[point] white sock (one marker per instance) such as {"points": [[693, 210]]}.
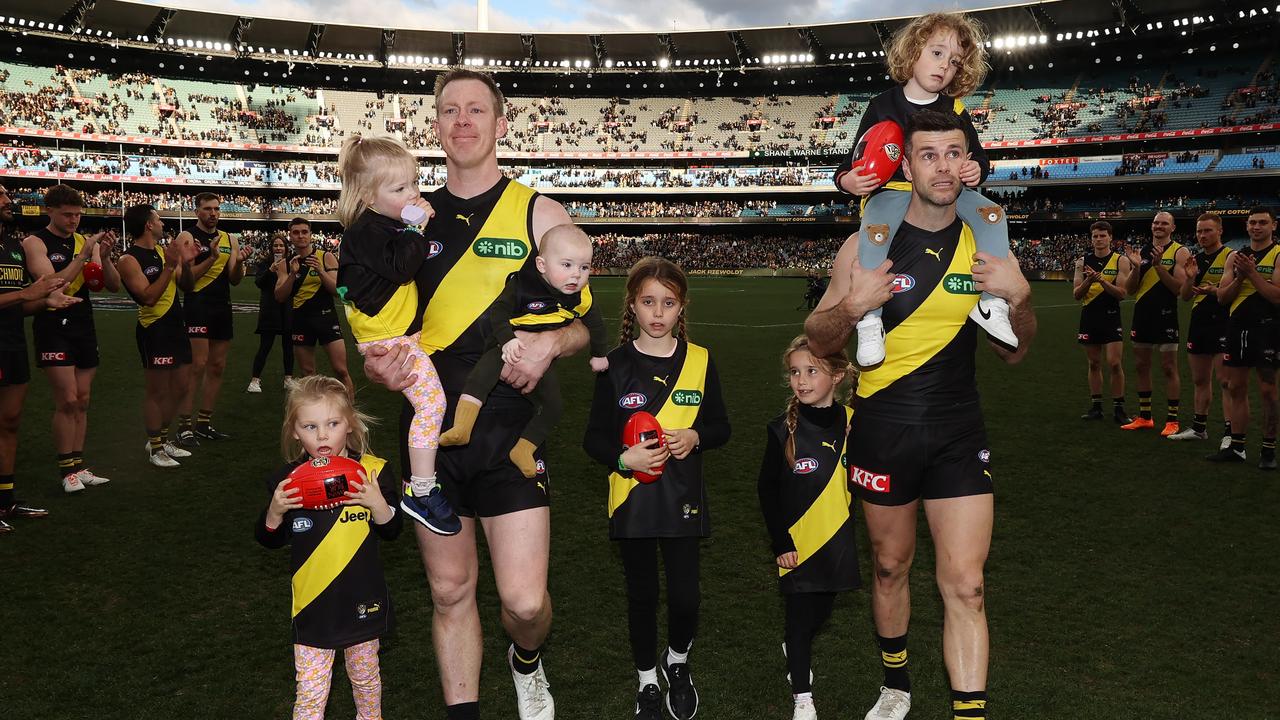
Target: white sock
{"points": [[421, 485], [677, 658], [648, 677], [803, 698]]}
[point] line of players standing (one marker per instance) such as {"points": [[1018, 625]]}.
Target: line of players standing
{"points": [[1233, 327], [183, 343]]}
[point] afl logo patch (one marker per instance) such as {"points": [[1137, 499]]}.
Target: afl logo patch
{"points": [[804, 466], [151, 271], [984, 456], [536, 305], [541, 467], [632, 400], [893, 151], [57, 257], [302, 524], [902, 283], [434, 248]]}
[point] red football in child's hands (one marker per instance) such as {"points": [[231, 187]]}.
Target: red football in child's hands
{"points": [[92, 273], [879, 151], [324, 481], [642, 427]]}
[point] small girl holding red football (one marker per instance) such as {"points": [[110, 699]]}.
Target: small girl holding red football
{"points": [[657, 370], [937, 59], [340, 597], [805, 499]]}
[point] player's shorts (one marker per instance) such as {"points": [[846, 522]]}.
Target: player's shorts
{"points": [[1101, 326], [1207, 333], [208, 320], [1154, 325], [15, 369], [894, 463], [478, 478], [1251, 344], [310, 329], [65, 342], [163, 345]]}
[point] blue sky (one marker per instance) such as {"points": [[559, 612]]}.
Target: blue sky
{"points": [[577, 15]]}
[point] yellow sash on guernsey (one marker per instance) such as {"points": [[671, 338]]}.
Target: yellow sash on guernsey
{"points": [[827, 514], [929, 328], [76, 282], [333, 553], [561, 315], [1266, 268], [1150, 279], [148, 315], [480, 275], [221, 253], [1214, 274], [693, 376], [1109, 273], [310, 282]]}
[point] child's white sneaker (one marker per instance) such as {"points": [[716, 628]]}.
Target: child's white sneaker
{"points": [[871, 341], [992, 315], [804, 710]]}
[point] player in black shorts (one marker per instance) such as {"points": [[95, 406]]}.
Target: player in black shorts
{"points": [[1250, 292], [1099, 283], [917, 433], [1207, 334], [219, 264], [152, 280], [66, 342], [17, 298], [309, 287], [1155, 287]]}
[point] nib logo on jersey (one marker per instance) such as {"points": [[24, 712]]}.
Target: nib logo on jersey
{"points": [[509, 248], [686, 397], [959, 284]]}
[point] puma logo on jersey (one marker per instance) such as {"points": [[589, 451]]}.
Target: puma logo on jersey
{"points": [[937, 254], [661, 380], [465, 218], [832, 446]]}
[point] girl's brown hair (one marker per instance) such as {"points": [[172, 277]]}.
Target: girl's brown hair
{"points": [[909, 41], [364, 163], [321, 388], [832, 365], [665, 272]]}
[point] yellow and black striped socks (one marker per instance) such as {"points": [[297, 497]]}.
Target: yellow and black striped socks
{"points": [[155, 441], [1144, 404], [66, 464], [1172, 414], [893, 655], [6, 492], [203, 418], [184, 423], [1268, 447], [1095, 402], [968, 705], [524, 661]]}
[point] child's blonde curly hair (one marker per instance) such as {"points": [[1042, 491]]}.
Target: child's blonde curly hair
{"points": [[909, 41]]}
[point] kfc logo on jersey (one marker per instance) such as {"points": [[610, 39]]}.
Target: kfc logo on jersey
{"points": [[868, 480], [902, 283], [197, 329], [535, 306], [151, 271], [630, 401], [162, 360], [804, 466], [434, 248], [53, 356]]}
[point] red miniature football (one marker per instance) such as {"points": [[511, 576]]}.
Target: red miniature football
{"points": [[879, 151], [642, 427], [324, 481], [92, 273]]}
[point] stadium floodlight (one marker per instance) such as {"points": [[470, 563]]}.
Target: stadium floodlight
{"points": [[1079, 35], [608, 63], [999, 43], [663, 63], [1058, 37]]}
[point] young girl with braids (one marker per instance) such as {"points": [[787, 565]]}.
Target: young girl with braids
{"points": [[656, 369], [805, 498]]}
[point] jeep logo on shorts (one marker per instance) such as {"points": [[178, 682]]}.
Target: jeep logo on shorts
{"points": [[632, 400], [686, 397], [804, 466], [500, 248], [959, 284]]}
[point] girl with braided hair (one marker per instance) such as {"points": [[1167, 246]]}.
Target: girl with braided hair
{"points": [[805, 499], [656, 369]]}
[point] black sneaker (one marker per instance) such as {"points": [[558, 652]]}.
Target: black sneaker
{"points": [[186, 439], [682, 696], [1267, 462], [649, 703], [1227, 455], [18, 510], [1120, 416], [432, 510], [208, 432], [1095, 413]]}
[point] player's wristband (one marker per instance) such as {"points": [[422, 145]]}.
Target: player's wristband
{"points": [[622, 465]]}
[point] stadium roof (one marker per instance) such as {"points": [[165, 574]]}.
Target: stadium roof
{"points": [[127, 21]]}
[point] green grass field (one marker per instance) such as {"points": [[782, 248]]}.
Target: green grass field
{"points": [[1128, 578]]}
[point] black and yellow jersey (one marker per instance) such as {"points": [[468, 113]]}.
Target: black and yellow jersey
{"points": [[1152, 294], [167, 308], [1108, 268], [1249, 303], [61, 251], [928, 372], [308, 294], [481, 240], [377, 267], [13, 278], [340, 596], [807, 504], [681, 391], [530, 304], [1210, 267], [214, 286]]}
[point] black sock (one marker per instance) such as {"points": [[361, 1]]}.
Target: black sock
{"points": [[1118, 402], [1144, 404], [6, 492], [1172, 415], [203, 418], [524, 661], [184, 423], [1268, 447], [1200, 422], [893, 656], [66, 464], [77, 459], [1237, 442], [463, 711], [1095, 401], [968, 705]]}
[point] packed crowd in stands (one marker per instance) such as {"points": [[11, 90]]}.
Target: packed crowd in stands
{"points": [[704, 251]]}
